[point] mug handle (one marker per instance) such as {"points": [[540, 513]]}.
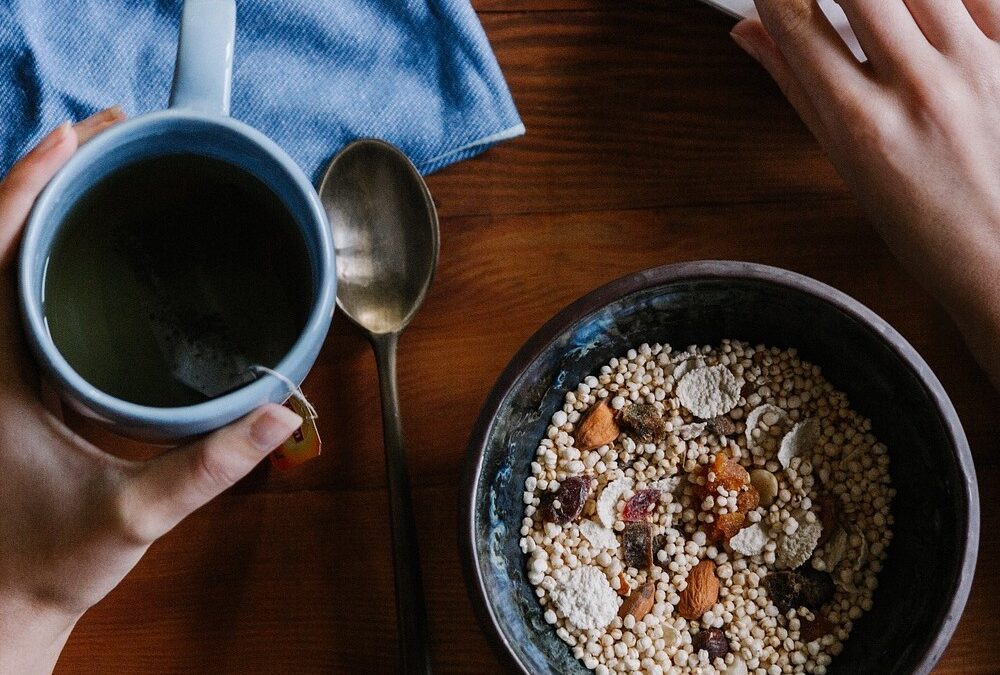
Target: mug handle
{"points": [[204, 71]]}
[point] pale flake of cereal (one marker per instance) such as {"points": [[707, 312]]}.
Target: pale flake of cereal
{"points": [[737, 667], [671, 636], [587, 599], [799, 441], [851, 455], [796, 548], [709, 392], [750, 540], [609, 498], [753, 419], [862, 558], [600, 537], [667, 484], [836, 549], [691, 431], [687, 365]]}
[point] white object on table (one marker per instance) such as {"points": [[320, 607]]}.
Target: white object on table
{"points": [[744, 8]]}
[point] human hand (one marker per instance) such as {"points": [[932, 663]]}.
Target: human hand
{"points": [[914, 132], [74, 519]]}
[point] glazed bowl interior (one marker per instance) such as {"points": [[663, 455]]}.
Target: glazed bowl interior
{"points": [[926, 577]]}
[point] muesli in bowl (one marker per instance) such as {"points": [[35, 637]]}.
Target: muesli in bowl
{"points": [[712, 509]]}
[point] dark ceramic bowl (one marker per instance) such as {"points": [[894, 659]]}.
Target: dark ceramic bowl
{"points": [[925, 582]]}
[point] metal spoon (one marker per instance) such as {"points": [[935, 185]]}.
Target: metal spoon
{"points": [[385, 230]]}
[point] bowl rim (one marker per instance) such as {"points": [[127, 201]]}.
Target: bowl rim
{"points": [[709, 270]]}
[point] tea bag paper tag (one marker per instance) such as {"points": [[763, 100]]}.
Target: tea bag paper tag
{"points": [[303, 444]]}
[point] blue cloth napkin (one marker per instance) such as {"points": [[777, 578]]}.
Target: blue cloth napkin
{"points": [[311, 74]]}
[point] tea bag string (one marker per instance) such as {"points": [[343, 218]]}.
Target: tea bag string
{"points": [[294, 391]]}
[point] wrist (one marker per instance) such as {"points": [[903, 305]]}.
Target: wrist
{"points": [[31, 637]]}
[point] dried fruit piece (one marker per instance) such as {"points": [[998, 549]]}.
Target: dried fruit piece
{"points": [[586, 598], [750, 540], [644, 421], [701, 593], [597, 428], [829, 516], [726, 472], [726, 525], [566, 504], [600, 537], [797, 547], [709, 392], [608, 500], [641, 506], [753, 420], [747, 500], [637, 545], [713, 641], [815, 629], [640, 603], [789, 589], [766, 485], [799, 441], [723, 425]]}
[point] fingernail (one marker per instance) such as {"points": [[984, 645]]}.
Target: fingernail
{"points": [[273, 427], [54, 138], [99, 118]]}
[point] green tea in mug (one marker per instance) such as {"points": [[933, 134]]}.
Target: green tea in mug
{"points": [[174, 276]]}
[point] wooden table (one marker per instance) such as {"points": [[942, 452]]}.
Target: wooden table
{"points": [[651, 139]]}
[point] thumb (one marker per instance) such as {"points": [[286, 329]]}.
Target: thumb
{"points": [[169, 488]]}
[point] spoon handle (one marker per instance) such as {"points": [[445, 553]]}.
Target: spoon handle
{"points": [[411, 612]]}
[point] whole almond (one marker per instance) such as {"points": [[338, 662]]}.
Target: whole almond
{"points": [[597, 428], [701, 593], [640, 602]]}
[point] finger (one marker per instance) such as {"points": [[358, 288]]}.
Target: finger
{"points": [[25, 181], [821, 61], [751, 36], [946, 23], [887, 32], [986, 14], [97, 123], [169, 488]]}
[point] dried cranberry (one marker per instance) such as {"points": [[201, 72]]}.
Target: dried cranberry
{"points": [[641, 505], [571, 496], [713, 641], [637, 545]]}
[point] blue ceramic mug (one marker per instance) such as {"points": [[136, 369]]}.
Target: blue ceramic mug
{"points": [[196, 123]]}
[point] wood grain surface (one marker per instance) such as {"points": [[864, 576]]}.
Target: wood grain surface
{"points": [[651, 139]]}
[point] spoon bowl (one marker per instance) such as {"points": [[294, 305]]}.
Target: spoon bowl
{"points": [[385, 229], [379, 209]]}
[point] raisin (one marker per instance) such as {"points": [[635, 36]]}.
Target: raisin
{"points": [[644, 421], [747, 500], [829, 514], [637, 545], [713, 641], [723, 425], [641, 506], [815, 629], [571, 496], [817, 588], [790, 589]]}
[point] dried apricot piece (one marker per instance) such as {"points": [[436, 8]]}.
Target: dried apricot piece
{"points": [[726, 525], [728, 473], [747, 500]]}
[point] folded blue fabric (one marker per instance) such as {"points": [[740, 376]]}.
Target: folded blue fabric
{"points": [[311, 74]]}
